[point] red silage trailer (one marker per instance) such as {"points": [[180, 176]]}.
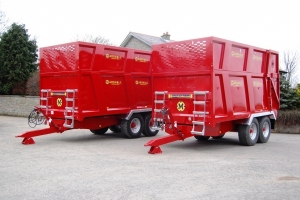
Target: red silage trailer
{"points": [[206, 87], [93, 86]]}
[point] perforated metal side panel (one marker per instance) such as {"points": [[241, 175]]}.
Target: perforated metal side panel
{"points": [[185, 56], [58, 58]]}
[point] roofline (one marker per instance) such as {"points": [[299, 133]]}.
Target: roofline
{"points": [[129, 36], [126, 40]]}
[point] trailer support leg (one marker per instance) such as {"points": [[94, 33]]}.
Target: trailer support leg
{"points": [[154, 150], [28, 141], [155, 143], [29, 134]]}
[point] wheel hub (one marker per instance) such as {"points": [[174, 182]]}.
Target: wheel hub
{"points": [[266, 129], [135, 125], [253, 131]]}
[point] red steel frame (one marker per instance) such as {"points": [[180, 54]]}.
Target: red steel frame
{"points": [[238, 81], [91, 86]]}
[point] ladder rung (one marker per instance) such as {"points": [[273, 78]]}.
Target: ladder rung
{"points": [[158, 119], [198, 123], [69, 111], [159, 101], [69, 108], [68, 125], [44, 106], [200, 92], [159, 93], [71, 91], [199, 102], [157, 110], [44, 90], [70, 99], [199, 113], [197, 132], [44, 98]]}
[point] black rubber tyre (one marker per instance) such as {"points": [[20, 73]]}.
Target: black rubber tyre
{"points": [[264, 130], [218, 137], [133, 127], [115, 128], [202, 138], [100, 131], [148, 131], [248, 134]]}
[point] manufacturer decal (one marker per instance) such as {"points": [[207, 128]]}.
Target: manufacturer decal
{"points": [[137, 59], [258, 58], [257, 84], [236, 54], [184, 96], [58, 94], [235, 83], [180, 106], [59, 102], [110, 82], [141, 82], [113, 57]]}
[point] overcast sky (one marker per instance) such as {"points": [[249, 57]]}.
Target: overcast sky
{"points": [[270, 24]]}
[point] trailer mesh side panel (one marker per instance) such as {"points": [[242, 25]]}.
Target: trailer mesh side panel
{"points": [[59, 58], [185, 56]]}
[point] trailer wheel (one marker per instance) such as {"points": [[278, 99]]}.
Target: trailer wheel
{"points": [[148, 131], [264, 130], [100, 131], [115, 128], [248, 134], [133, 127], [202, 138], [218, 137]]}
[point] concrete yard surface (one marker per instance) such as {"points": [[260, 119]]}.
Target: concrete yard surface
{"points": [[80, 165]]}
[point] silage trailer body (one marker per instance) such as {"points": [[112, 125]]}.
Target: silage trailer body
{"points": [[208, 86], [93, 86]]}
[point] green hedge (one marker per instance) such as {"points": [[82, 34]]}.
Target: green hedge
{"points": [[288, 117]]}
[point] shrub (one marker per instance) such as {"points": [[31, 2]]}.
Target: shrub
{"points": [[288, 117], [19, 88], [33, 84], [18, 58]]}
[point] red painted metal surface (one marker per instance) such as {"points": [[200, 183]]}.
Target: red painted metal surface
{"points": [[109, 80], [233, 79], [27, 141], [155, 150], [92, 86]]}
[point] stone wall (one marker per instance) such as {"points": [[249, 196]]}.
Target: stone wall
{"points": [[287, 129], [14, 105]]}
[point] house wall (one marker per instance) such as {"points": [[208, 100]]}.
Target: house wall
{"points": [[17, 105], [137, 44]]}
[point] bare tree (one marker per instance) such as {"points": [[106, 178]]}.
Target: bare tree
{"points": [[291, 63], [94, 39], [3, 22]]}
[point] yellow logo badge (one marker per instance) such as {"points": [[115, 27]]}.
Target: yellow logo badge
{"points": [[180, 106], [59, 102]]}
